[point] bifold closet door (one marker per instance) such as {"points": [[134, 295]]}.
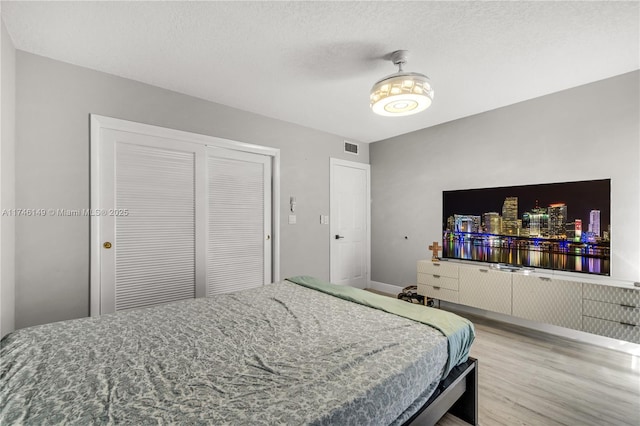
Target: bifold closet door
{"points": [[152, 223], [239, 220]]}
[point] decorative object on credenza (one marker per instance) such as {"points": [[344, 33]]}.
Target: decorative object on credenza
{"points": [[435, 248]]}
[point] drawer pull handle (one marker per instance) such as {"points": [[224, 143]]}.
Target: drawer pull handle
{"points": [[622, 305], [435, 264], [436, 276], [627, 324], [545, 278], [436, 288], [484, 270]]}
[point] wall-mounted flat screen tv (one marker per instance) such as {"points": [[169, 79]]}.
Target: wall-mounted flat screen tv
{"points": [[559, 226]]}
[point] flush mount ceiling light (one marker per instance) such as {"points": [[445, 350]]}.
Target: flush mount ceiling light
{"points": [[401, 93]]}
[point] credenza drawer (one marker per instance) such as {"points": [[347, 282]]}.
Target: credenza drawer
{"points": [[611, 311], [444, 269], [436, 280], [604, 293], [440, 293], [612, 329]]}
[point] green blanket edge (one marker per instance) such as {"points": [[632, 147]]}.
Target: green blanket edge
{"points": [[459, 331]]}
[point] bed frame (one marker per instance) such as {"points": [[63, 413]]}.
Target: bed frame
{"points": [[456, 394]]}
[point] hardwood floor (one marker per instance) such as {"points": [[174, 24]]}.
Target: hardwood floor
{"points": [[528, 377]]}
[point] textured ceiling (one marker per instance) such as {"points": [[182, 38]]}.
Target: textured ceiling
{"points": [[313, 63]]}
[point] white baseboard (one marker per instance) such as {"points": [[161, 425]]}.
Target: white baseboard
{"points": [[387, 288]]}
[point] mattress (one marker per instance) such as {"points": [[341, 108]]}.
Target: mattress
{"points": [[279, 354]]}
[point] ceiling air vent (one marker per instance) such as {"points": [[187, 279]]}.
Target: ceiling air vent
{"points": [[351, 148]]}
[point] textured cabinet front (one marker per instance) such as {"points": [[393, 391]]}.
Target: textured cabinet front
{"points": [[485, 289], [549, 301], [609, 294], [613, 329], [611, 311], [439, 293]]}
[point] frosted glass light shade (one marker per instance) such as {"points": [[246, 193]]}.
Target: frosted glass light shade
{"points": [[400, 94]]}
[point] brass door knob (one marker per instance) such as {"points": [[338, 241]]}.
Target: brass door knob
{"points": [[107, 245]]}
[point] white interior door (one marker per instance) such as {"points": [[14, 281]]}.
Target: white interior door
{"points": [[350, 216], [239, 220]]}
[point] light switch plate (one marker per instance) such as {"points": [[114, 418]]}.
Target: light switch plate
{"points": [[292, 219]]}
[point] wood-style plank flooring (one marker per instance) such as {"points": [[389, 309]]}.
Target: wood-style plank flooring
{"points": [[527, 377]]}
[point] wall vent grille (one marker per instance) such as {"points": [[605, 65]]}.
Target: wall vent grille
{"points": [[351, 148]]}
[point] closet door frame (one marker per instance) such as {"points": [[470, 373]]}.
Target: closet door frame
{"points": [[100, 123]]}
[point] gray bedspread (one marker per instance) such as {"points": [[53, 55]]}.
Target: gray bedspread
{"points": [[459, 331], [279, 354]]}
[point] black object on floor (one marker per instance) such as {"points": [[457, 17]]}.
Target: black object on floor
{"points": [[410, 294]]}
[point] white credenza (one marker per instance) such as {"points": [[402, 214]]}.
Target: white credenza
{"points": [[603, 309]]}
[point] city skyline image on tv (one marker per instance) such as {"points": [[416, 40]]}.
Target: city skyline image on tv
{"points": [[559, 226]]}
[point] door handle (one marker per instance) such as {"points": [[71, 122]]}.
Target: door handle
{"points": [[339, 237]]}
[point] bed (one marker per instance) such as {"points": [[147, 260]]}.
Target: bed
{"points": [[295, 352]]}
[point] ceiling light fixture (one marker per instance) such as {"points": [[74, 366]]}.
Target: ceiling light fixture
{"points": [[402, 93]]}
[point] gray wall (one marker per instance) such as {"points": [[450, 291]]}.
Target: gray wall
{"points": [[7, 183], [54, 100], [588, 132]]}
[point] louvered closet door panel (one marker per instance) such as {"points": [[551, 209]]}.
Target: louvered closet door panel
{"points": [[155, 242], [239, 221]]}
